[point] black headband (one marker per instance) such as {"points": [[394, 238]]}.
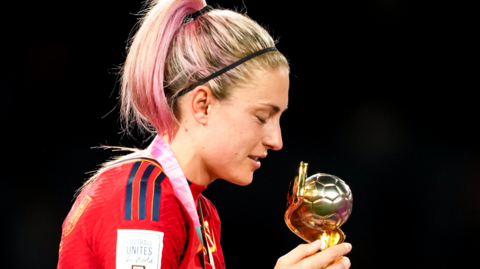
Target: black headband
{"points": [[225, 69], [194, 16]]}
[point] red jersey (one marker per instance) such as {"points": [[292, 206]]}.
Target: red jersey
{"points": [[129, 217]]}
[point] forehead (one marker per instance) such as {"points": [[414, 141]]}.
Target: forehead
{"points": [[266, 88]]}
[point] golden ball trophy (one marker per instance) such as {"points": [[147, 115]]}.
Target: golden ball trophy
{"points": [[317, 206]]}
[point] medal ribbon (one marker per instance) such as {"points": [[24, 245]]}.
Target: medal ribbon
{"points": [[161, 151]]}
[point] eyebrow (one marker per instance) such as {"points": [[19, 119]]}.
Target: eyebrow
{"points": [[274, 107]]}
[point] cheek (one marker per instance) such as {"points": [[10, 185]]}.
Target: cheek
{"points": [[227, 132], [220, 144], [230, 145], [233, 135]]}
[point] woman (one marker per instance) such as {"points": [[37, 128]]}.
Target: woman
{"points": [[212, 85]]}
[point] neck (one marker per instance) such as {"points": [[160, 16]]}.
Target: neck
{"points": [[189, 160]]}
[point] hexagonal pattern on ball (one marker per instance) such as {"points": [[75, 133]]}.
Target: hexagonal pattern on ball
{"points": [[327, 202]]}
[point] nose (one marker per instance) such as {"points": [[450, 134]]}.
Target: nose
{"points": [[274, 139]]}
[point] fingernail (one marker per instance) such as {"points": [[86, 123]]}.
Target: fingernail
{"points": [[315, 244], [348, 246]]}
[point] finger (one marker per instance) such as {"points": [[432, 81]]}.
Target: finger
{"points": [[343, 263], [300, 252], [327, 256]]}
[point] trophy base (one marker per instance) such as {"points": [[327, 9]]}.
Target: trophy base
{"points": [[328, 238], [331, 238]]}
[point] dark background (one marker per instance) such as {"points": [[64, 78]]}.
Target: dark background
{"points": [[382, 95]]}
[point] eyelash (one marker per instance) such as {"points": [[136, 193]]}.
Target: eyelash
{"points": [[261, 120]]}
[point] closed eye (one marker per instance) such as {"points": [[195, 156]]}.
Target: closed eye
{"points": [[261, 120]]}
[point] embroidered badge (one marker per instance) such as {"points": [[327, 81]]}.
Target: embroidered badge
{"points": [[210, 237], [75, 214]]}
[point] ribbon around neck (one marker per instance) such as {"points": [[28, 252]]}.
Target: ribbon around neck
{"points": [[162, 153]]}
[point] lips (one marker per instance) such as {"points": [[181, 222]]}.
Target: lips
{"points": [[256, 163], [258, 157]]}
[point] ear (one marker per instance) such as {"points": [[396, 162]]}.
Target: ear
{"points": [[200, 103]]}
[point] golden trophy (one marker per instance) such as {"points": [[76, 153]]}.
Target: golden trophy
{"points": [[317, 206]]}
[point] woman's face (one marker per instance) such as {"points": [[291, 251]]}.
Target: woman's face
{"points": [[242, 129]]}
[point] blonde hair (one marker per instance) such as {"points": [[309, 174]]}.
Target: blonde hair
{"points": [[167, 55]]}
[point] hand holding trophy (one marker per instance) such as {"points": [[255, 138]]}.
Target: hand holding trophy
{"points": [[317, 206]]}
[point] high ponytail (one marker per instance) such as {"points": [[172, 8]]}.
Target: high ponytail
{"points": [[167, 55], [143, 93]]}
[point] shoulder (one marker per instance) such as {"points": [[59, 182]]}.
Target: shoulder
{"points": [[132, 164], [126, 171], [144, 185], [137, 186]]}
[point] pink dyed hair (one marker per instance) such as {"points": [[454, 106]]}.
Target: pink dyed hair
{"points": [[167, 56]]}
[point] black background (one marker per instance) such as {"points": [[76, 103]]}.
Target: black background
{"points": [[382, 95]]}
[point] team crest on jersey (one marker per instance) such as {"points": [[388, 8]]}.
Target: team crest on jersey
{"points": [[210, 237], [75, 214]]}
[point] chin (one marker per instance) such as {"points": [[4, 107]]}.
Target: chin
{"points": [[241, 180]]}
